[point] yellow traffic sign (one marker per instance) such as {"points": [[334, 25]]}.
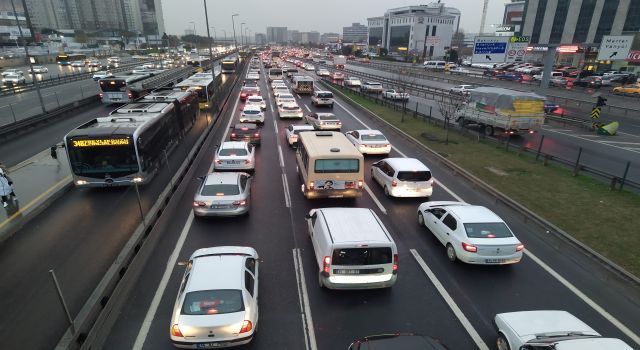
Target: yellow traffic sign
{"points": [[595, 113]]}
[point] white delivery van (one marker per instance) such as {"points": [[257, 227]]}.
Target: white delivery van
{"points": [[353, 249], [435, 65]]}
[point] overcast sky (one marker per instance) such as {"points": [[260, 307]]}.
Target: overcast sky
{"points": [[320, 15]]}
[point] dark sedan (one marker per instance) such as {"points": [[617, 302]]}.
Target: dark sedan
{"points": [[245, 132]]}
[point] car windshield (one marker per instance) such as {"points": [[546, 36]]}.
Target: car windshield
{"points": [[361, 256], [414, 175], [233, 152], [488, 230], [373, 137], [220, 190], [213, 302]]}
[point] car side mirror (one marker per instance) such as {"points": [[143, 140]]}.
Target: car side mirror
{"points": [[307, 216]]}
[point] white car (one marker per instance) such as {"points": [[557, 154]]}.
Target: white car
{"points": [[253, 76], [369, 141], [12, 71], [217, 303], [309, 67], [101, 74], [39, 69], [77, 64], [285, 98], [323, 73], [549, 329], [462, 89], [289, 110], [471, 233], [256, 100], [459, 70], [13, 79], [280, 90], [277, 82], [352, 81], [293, 131], [324, 121], [236, 156], [252, 114], [139, 70]]}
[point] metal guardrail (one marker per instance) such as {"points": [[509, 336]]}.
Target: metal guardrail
{"points": [[616, 181]]}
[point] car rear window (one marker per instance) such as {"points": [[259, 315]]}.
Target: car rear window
{"points": [[233, 152], [245, 126], [414, 175], [291, 108], [326, 117], [213, 302], [487, 230], [251, 111], [325, 95], [255, 99], [361, 256], [220, 190], [373, 137]]}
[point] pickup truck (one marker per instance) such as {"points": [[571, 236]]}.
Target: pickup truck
{"points": [[395, 95]]}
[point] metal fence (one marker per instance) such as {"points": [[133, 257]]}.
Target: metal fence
{"points": [[576, 159]]}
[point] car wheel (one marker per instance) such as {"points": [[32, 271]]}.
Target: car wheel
{"points": [[502, 343], [420, 219], [320, 283], [451, 253]]}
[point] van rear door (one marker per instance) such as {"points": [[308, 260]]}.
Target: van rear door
{"points": [[361, 264]]}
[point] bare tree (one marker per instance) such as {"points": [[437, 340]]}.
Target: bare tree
{"points": [[448, 108], [404, 83]]}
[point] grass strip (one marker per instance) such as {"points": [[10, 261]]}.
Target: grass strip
{"points": [[584, 207]]}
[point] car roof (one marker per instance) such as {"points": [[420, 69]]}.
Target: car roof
{"points": [[233, 144], [528, 323], [346, 225], [473, 213], [251, 107], [406, 164], [369, 131], [221, 178], [216, 272]]}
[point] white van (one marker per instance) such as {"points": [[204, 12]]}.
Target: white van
{"points": [[435, 65], [353, 249]]}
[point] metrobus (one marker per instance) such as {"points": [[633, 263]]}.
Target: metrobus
{"points": [[329, 166], [126, 147], [65, 59], [229, 65], [202, 62], [123, 88], [202, 84], [186, 103]]}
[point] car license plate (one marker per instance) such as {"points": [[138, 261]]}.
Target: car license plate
{"points": [[494, 261], [233, 162], [346, 272], [209, 345]]}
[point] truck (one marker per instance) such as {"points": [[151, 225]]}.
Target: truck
{"points": [[395, 95], [339, 61], [302, 84], [509, 111]]}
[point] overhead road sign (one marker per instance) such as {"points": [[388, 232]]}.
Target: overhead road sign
{"points": [[615, 47], [490, 49]]}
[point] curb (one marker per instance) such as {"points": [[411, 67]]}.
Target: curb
{"points": [[525, 212]]}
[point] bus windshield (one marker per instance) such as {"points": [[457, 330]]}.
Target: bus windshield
{"points": [[113, 85], [228, 65], [98, 160]]}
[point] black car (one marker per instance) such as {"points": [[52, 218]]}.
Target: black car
{"points": [[589, 82], [404, 341], [245, 132]]}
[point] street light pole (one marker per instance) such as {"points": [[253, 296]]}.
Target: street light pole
{"points": [[213, 73], [242, 34], [225, 35], [26, 51], [233, 25]]}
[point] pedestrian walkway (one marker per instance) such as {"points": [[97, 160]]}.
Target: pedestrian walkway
{"points": [[38, 181]]}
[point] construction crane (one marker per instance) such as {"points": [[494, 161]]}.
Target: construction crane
{"points": [[484, 16]]}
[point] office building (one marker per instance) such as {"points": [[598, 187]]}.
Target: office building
{"points": [[312, 37], [327, 38], [513, 15], [579, 21], [293, 36], [261, 39], [277, 35], [423, 30], [355, 33]]}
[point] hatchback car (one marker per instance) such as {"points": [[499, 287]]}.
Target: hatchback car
{"points": [[472, 234], [252, 114], [217, 303], [256, 100], [289, 110], [223, 194], [369, 141], [322, 98], [285, 98], [462, 89], [292, 132], [403, 177], [324, 121], [245, 132], [235, 155]]}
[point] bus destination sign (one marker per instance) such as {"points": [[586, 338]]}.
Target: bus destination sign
{"points": [[100, 142]]}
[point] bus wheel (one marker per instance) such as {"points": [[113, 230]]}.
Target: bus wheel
{"points": [[488, 130]]}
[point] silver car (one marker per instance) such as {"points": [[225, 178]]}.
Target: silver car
{"points": [[289, 110], [324, 121], [235, 155], [223, 194], [13, 79]]}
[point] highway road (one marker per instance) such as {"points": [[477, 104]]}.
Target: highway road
{"points": [[606, 153], [552, 275]]}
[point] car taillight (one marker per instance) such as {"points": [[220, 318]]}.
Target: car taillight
{"points": [[519, 247], [311, 184], [360, 184], [240, 203], [247, 161], [395, 263], [129, 94], [256, 134], [175, 331], [246, 326], [233, 134], [101, 95], [326, 266], [394, 183], [469, 247], [199, 204], [218, 161]]}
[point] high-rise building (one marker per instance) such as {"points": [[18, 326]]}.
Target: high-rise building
{"points": [[579, 21], [312, 37], [261, 39], [355, 33], [513, 14], [423, 30], [327, 38], [293, 36], [277, 35]]}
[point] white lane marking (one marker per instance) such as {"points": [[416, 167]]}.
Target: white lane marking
{"points": [[449, 300], [375, 199], [287, 196], [275, 124], [622, 142], [305, 309], [300, 97], [271, 107], [226, 131], [280, 156], [597, 141], [585, 298], [307, 107], [556, 275], [453, 194], [171, 263]]}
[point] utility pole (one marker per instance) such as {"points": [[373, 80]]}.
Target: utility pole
{"points": [[233, 25], [213, 73]]}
